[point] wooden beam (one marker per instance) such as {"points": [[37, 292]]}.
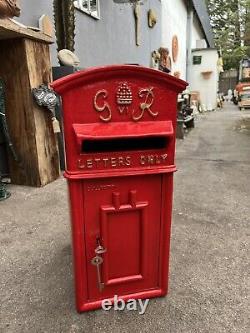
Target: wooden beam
{"points": [[10, 30], [25, 64]]}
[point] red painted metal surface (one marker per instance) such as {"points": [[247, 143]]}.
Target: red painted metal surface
{"points": [[119, 124]]}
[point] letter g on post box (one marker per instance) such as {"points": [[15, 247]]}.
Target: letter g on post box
{"points": [[119, 124]]}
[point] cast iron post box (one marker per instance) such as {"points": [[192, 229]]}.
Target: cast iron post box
{"points": [[119, 124]]}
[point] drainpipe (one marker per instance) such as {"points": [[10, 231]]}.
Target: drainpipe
{"points": [[190, 18]]}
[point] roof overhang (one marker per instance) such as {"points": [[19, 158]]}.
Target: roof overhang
{"points": [[202, 14]]}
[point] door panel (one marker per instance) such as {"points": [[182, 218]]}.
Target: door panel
{"points": [[123, 215], [123, 232]]}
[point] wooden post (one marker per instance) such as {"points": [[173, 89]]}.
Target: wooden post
{"points": [[25, 64]]}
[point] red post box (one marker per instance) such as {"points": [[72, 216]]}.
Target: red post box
{"points": [[119, 124]]}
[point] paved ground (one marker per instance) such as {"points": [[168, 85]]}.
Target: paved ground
{"points": [[209, 281]]}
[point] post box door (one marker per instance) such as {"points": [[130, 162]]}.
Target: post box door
{"points": [[123, 218]]}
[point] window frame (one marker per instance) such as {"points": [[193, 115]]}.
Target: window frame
{"points": [[78, 6]]}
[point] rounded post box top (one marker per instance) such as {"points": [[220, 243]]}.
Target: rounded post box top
{"points": [[119, 119], [96, 74]]}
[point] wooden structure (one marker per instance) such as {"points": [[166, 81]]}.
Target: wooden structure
{"points": [[25, 64]]}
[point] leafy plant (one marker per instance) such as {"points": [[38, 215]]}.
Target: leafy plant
{"points": [[230, 21]]}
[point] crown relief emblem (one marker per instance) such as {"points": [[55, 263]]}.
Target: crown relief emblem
{"points": [[124, 97]]}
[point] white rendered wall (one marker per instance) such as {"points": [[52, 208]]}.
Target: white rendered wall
{"points": [[197, 33], [174, 22], [207, 87]]}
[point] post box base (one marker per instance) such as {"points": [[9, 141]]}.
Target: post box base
{"points": [[134, 228], [83, 307]]}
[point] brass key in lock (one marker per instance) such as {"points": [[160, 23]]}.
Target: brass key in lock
{"points": [[97, 261]]}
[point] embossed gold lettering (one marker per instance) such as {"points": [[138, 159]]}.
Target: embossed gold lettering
{"points": [[121, 161], [146, 105], [164, 157], [101, 187], [153, 159], [105, 160], [89, 163], [128, 160], [158, 159], [97, 160], [142, 160], [113, 162], [80, 164], [105, 107]]}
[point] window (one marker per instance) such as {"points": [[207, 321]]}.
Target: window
{"points": [[90, 7]]}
